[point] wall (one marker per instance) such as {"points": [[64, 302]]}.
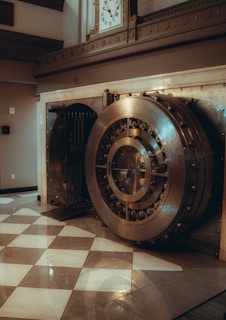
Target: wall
{"points": [[17, 72], [71, 25], [146, 6], [36, 20], [18, 153]]}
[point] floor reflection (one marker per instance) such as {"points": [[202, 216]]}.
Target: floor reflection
{"points": [[78, 269]]}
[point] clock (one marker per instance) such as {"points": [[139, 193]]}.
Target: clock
{"points": [[110, 14]]}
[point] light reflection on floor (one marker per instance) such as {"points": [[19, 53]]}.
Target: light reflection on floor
{"points": [[4, 200], [78, 269]]}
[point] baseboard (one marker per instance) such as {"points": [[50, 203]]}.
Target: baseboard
{"points": [[17, 190]]}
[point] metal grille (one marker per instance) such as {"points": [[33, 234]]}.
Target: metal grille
{"points": [[67, 148]]}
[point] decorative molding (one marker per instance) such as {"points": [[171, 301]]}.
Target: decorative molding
{"points": [[196, 17], [168, 81], [185, 23], [181, 9], [51, 4]]}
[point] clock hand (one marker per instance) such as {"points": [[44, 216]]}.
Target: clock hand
{"points": [[107, 8]]}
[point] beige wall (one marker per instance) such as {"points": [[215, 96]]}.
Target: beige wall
{"points": [[36, 20], [17, 72], [146, 6], [18, 153]]}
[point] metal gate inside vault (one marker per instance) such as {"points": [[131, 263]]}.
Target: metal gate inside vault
{"points": [[66, 153]]}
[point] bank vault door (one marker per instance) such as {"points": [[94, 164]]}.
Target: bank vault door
{"points": [[149, 167], [66, 153]]}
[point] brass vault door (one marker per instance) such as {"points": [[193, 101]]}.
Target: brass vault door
{"points": [[149, 167]]}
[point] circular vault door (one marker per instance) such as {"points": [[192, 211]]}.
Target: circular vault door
{"points": [[148, 167]]}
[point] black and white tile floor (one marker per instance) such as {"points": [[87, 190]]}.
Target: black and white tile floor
{"points": [[78, 269]]}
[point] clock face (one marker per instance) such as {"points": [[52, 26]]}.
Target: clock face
{"points": [[110, 14]]}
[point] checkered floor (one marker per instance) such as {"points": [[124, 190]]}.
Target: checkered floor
{"points": [[78, 269]]}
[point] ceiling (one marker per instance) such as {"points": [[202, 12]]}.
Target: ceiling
{"points": [[27, 47], [52, 4], [24, 47]]}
